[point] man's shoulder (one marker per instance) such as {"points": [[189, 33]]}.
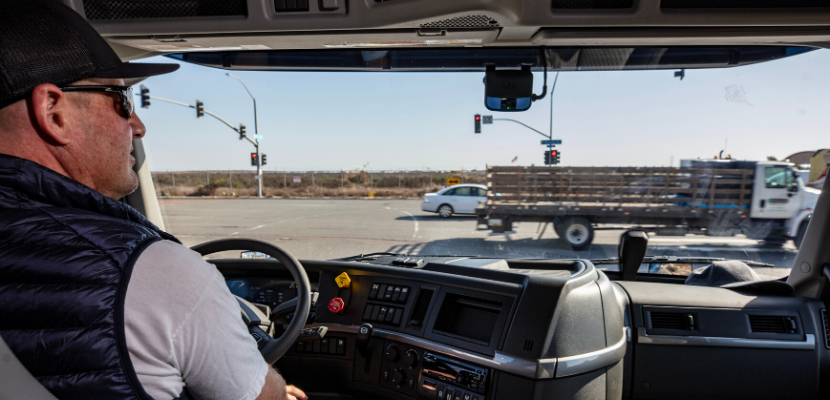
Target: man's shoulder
{"points": [[168, 267]]}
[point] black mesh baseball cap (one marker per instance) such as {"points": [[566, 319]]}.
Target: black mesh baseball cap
{"points": [[44, 41]]}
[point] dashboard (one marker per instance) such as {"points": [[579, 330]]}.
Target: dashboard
{"points": [[267, 291], [459, 328]]}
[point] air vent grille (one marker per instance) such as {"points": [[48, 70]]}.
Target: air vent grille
{"points": [[528, 345], [469, 21], [137, 9], [743, 4], [768, 324], [290, 5], [591, 4], [668, 320], [826, 329], [419, 312]]}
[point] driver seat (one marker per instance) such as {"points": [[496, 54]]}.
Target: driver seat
{"points": [[15, 380]]}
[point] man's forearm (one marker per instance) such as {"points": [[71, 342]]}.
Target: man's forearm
{"points": [[274, 388]]}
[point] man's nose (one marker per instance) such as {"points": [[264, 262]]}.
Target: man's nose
{"points": [[138, 126]]}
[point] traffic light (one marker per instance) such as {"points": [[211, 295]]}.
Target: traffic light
{"points": [[200, 109], [145, 97], [478, 123], [552, 157], [264, 161], [241, 131], [253, 159]]}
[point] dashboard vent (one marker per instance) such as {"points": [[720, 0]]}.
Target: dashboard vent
{"points": [[469, 21], [591, 4], [137, 9], [768, 323], [669, 320], [826, 329], [419, 312], [290, 5], [680, 4], [528, 345]]}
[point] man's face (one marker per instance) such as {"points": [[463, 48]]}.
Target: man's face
{"points": [[103, 140]]}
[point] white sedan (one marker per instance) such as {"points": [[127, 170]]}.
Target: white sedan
{"points": [[456, 199]]}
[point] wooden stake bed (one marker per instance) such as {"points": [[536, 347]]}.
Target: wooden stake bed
{"points": [[620, 194]]}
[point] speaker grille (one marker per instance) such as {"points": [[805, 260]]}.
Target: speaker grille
{"points": [[137, 9], [470, 21], [591, 4], [826, 328]]}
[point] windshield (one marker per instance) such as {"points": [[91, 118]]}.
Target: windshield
{"points": [[355, 162]]}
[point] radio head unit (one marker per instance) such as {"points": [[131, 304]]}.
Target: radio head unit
{"points": [[454, 372]]}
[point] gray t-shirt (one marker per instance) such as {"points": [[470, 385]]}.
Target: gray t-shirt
{"points": [[183, 329]]}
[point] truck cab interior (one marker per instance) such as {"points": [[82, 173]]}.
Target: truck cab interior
{"points": [[453, 327]]}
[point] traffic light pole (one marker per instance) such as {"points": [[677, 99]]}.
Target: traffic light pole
{"points": [[237, 130], [549, 136], [256, 136]]}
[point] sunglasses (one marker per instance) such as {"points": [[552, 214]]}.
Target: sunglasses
{"points": [[124, 92]]}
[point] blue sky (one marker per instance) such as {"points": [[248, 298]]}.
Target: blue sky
{"points": [[395, 121]]}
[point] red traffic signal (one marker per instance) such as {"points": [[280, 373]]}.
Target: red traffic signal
{"points": [[478, 123]]}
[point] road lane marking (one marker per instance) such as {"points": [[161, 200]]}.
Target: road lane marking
{"points": [[235, 233], [413, 220], [257, 227]]}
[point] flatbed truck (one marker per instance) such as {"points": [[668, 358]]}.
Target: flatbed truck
{"points": [[764, 200]]}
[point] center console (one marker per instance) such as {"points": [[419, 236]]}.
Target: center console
{"points": [[462, 329]]}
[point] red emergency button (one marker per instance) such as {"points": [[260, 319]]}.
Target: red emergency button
{"points": [[336, 305]]}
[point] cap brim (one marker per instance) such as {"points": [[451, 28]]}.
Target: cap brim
{"points": [[762, 287], [133, 73]]}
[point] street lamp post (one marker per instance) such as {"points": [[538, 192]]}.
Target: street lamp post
{"points": [[256, 137]]}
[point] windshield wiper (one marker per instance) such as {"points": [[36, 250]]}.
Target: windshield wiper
{"points": [[675, 259]]}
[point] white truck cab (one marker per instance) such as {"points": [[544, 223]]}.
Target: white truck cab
{"points": [[780, 194]]}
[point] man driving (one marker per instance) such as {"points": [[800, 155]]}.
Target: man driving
{"points": [[95, 300]]}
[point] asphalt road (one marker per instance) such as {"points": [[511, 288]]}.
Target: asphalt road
{"points": [[333, 228]]}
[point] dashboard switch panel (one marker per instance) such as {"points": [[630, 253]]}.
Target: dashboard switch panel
{"points": [[383, 314], [389, 293]]}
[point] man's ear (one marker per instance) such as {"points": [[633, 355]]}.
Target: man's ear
{"points": [[50, 107]]}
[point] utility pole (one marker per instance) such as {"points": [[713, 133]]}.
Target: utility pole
{"points": [[173, 176], [145, 97], [257, 137]]}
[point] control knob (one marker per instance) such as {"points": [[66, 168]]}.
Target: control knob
{"points": [[393, 353], [398, 377], [410, 358]]}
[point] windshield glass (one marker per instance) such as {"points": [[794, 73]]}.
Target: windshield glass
{"points": [[354, 162]]}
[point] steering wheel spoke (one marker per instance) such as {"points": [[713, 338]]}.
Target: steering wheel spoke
{"points": [[258, 320]]}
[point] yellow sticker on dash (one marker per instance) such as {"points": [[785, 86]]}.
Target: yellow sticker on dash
{"points": [[343, 280]]}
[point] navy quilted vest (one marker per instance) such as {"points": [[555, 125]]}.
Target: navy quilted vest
{"points": [[66, 254]]}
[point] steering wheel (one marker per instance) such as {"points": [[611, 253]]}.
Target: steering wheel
{"points": [[271, 348]]}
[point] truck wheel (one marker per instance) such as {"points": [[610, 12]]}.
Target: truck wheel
{"points": [[445, 211], [799, 235], [578, 233]]}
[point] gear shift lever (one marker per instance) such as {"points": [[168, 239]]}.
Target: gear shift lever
{"points": [[633, 245]]}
